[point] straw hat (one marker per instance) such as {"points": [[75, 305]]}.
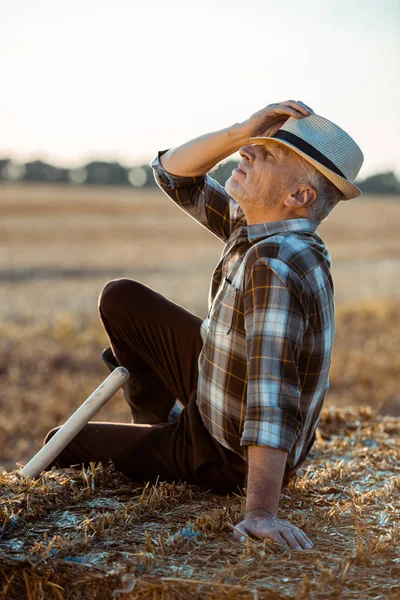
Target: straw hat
{"points": [[326, 146]]}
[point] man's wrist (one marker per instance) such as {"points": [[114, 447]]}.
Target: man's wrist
{"points": [[259, 512], [239, 134]]}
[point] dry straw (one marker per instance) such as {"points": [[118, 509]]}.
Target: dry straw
{"points": [[92, 533]]}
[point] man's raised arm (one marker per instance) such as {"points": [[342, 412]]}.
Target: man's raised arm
{"points": [[182, 172], [202, 154]]}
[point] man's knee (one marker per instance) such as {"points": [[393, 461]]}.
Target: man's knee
{"points": [[119, 295]]}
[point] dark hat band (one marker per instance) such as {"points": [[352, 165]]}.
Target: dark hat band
{"points": [[307, 149]]}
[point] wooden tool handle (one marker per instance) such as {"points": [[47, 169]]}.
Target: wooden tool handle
{"points": [[76, 422]]}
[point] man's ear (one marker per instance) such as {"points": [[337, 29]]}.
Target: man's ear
{"points": [[303, 197]]}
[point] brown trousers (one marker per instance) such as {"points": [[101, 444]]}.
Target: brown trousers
{"points": [[159, 343]]}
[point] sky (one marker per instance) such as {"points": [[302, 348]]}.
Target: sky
{"points": [[120, 80]]}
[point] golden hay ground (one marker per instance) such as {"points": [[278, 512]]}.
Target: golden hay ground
{"points": [[88, 534]]}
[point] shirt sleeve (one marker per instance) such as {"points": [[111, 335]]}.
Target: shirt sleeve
{"points": [[203, 198], [274, 333]]}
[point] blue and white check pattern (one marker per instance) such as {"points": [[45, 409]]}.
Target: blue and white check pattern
{"points": [[268, 337]]}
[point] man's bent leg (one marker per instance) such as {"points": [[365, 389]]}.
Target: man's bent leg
{"points": [[157, 340], [180, 451], [141, 452], [147, 331]]}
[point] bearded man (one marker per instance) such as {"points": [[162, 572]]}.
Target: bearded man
{"points": [[252, 377]]}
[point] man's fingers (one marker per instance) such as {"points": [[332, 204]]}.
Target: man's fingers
{"points": [[275, 535], [289, 536], [299, 106], [288, 110], [274, 128], [308, 543], [305, 106], [240, 533], [296, 538]]}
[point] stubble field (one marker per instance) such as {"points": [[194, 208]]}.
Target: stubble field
{"points": [[72, 534]]}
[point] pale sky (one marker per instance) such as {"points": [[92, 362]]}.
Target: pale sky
{"points": [[119, 80]]}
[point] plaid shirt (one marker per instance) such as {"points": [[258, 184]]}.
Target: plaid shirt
{"points": [[268, 337]]}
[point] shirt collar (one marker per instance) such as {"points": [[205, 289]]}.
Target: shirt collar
{"points": [[261, 230]]}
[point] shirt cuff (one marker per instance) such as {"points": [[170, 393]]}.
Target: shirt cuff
{"points": [[261, 433], [169, 181]]}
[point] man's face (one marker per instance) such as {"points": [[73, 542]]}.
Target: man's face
{"points": [[265, 175]]}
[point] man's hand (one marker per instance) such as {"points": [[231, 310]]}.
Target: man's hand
{"points": [[261, 524], [268, 120], [265, 472]]}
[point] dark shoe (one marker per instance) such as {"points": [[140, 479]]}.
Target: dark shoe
{"points": [[132, 390]]}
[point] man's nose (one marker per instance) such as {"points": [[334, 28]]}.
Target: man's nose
{"points": [[248, 152]]}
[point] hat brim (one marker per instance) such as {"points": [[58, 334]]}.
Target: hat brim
{"points": [[349, 190]]}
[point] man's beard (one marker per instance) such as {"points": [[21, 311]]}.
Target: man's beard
{"points": [[244, 198], [234, 190]]}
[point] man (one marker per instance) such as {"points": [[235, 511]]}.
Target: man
{"points": [[254, 374]]}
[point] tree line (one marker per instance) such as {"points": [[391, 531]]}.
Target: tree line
{"points": [[141, 176]]}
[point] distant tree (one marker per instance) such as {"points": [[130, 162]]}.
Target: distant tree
{"points": [[381, 183], [38, 170], [113, 173], [11, 170], [3, 163], [105, 173]]}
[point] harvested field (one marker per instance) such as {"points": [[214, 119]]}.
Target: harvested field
{"points": [[60, 245], [95, 534]]}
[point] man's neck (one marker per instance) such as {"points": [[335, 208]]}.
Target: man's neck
{"points": [[253, 218]]}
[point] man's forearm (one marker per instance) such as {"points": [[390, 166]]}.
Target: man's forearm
{"points": [[200, 155], [266, 467]]}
